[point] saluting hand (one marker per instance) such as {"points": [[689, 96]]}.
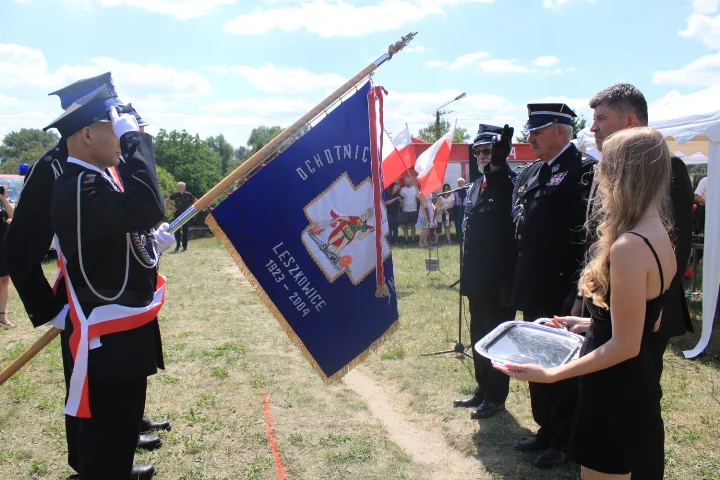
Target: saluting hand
{"points": [[122, 124], [502, 146]]}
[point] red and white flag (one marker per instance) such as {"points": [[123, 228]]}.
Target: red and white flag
{"points": [[397, 157], [432, 163]]}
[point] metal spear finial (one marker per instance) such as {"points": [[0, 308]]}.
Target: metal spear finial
{"points": [[402, 43]]}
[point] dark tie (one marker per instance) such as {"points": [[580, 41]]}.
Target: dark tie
{"points": [[544, 175]]}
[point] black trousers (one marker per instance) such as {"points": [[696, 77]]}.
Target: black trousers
{"points": [[393, 227], [553, 404], [104, 445], [459, 215], [182, 236], [485, 314]]}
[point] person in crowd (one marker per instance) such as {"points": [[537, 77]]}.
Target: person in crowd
{"points": [[28, 239], [447, 206], [700, 194], [6, 214], [392, 208], [488, 262], [179, 202], [410, 201], [549, 210], [96, 224], [625, 285], [460, 209], [426, 222], [619, 107]]}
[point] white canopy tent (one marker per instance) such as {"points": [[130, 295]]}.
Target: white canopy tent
{"points": [[691, 125]]}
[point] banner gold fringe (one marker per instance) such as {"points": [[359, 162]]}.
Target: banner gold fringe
{"points": [[382, 291], [217, 231]]}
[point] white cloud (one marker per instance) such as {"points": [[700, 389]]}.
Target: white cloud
{"points": [[503, 66], [271, 79], [467, 60], [705, 7], [180, 9], [705, 28], [330, 18], [434, 63], [21, 65], [258, 106], [558, 3], [546, 61], [11, 102], [415, 49], [579, 104], [215, 69], [705, 71]]}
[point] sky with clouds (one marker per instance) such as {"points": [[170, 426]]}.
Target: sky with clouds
{"points": [[226, 66]]}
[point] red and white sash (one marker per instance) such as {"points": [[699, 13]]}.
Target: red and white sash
{"points": [[103, 320]]}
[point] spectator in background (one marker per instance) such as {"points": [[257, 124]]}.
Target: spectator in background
{"points": [[426, 222], [181, 201], [447, 211], [392, 207], [700, 198], [460, 208], [409, 195], [6, 213]]}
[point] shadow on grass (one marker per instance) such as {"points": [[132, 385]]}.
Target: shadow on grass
{"points": [[495, 443]]}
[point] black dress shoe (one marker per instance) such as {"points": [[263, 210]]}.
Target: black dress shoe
{"points": [[487, 410], [468, 402], [142, 472], [148, 425], [149, 442], [529, 445], [551, 458]]}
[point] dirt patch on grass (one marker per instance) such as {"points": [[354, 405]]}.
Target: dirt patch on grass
{"points": [[423, 443]]}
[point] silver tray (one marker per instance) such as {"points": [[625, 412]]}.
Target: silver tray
{"points": [[530, 342]]}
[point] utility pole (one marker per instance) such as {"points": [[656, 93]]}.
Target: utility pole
{"points": [[437, 115]]}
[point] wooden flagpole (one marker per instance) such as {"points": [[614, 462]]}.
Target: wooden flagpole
{"points": [[260, 156], [268, 150]]}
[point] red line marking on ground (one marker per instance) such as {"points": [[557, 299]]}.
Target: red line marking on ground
{"points": [[271, 438]]}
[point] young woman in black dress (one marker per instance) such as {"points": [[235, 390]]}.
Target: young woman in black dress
{"points": [[618, 413]]}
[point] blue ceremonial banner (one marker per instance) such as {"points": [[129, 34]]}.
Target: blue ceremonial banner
{"points": [[309, 231]]}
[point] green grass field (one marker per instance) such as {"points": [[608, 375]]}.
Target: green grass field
{"points": [[391, 418]]}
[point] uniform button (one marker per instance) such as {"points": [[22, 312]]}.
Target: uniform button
{"points": [[520, 255]]}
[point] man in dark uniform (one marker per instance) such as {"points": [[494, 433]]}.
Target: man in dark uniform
{"points": [[29, 238], [112, 330], [624, 106], [488, 261], [550, 202]]}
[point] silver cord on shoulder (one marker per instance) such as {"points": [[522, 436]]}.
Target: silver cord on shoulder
{"points": [[80, 260]]}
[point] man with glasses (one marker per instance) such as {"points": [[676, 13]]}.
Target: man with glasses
{"points": [[488, 261]]}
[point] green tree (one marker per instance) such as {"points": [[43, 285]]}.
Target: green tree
{"points": [[168, 186], [430, 133], [188, 159], [25, 140], [521, 136], [241, 154], [578, 123], [225, 151], [261, 136]]}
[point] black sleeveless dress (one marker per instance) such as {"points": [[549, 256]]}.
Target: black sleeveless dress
{"points": [[619, 407]]}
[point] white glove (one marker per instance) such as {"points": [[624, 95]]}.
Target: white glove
{"points": [[165, 240], [59, 320], [123, 124]]}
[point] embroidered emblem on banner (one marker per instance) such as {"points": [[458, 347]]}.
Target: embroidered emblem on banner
{"points": [[338, 237], [556, 179]]}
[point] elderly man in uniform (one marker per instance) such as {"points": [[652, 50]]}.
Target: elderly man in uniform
{"points": [[488, 261], [550, 201], [111, 329], [616, 108]]}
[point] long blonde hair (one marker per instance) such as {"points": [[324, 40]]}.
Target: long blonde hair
{"points": [[634, 174]]}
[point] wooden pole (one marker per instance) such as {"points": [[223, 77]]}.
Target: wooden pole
{"points": [[268, 150], [34, 349]]}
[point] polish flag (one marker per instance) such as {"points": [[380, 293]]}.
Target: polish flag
{"points": [[432, 163], [397, 157]]}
